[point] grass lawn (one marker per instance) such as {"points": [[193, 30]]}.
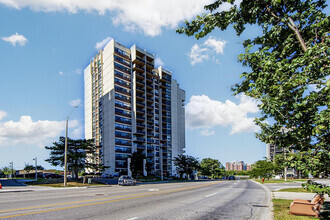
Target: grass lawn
{"points": [[280, 181], [59, 183], [294, 190], [281, 211]]}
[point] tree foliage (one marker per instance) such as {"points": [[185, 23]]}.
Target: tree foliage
{"points": [[7, 170], [186, 164], [211, 167], [289, 67], [262, 169], [82, 154], [136, 165]]}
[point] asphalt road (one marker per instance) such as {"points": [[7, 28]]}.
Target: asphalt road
{"points": [[240, 199]]}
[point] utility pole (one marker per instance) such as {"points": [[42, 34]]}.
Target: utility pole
{"points": [[12, 169], [36, 164], [66, 149]]}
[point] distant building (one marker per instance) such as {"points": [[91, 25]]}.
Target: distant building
{"points": [[272, 150], [237, 165]]}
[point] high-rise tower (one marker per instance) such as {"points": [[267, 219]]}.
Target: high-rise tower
{"points": [[132, 106]]}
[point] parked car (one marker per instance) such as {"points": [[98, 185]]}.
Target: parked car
{"points": [[231, 178], [52, 175], [126, 180], [104, 175]]}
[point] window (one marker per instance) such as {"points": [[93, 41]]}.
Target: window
{"points": [[117, 50], [122, 60], [121, 67], [123, 127]]}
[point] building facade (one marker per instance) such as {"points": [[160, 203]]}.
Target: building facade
{"points": [[237, 166], [272, 150], [132, 106]]}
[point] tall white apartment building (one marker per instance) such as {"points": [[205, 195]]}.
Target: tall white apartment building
{"points": [[132, 106]]}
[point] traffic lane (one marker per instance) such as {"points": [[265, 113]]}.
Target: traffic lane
{"points": [[198, 202], [84, 198]]}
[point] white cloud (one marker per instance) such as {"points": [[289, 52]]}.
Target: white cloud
{"points": [[206, 132], [78, 71], [75, 102], [159, 62], [60, 72], [28, 132], [148, 16], [2, 114], [15, 39], [101, 44], [216, 45], [205, 113], [198, 54], [210, 48]]}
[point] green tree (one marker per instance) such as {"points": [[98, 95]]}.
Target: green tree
{"points": [[262, 169], [7, 170], [82, 154], [286, 62], [137, 163], [27, 168], [186, 164], [210, 167]]}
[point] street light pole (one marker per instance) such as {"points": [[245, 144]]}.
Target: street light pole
{"points": [[161, 164], [66, 148], [12, 169], [36, 167]]}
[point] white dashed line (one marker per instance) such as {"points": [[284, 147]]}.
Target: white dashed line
{"points": [[153, 190], [211, 195], [133, 218]]}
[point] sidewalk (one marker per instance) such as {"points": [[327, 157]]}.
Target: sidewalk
{"points": [[296, 195], [8, 189]]}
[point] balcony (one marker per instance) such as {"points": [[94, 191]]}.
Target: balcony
{"points": [[141, 97], [122, 121], [149, 79], [122, 76], [141, 125], [140, 82], [123, 84], [139, 139], [122, 106], [125, 71], [138, 68], [139, 60], [140, 90], [140, 110], [141, 146], [150, 65], [139, 103], [139, 75], [122, 91], [140, 117]]}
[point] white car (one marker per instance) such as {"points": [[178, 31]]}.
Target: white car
{"points": [[126, 181]]}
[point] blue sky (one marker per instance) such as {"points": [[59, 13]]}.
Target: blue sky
{"points": [[45, 45]]}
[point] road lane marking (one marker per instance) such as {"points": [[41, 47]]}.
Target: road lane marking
{"points": [[101, 202], [153, 190], [133, 218], [211, 195]]}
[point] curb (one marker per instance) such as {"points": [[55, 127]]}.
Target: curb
{"points": [[16, 191], [271, 208]]}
